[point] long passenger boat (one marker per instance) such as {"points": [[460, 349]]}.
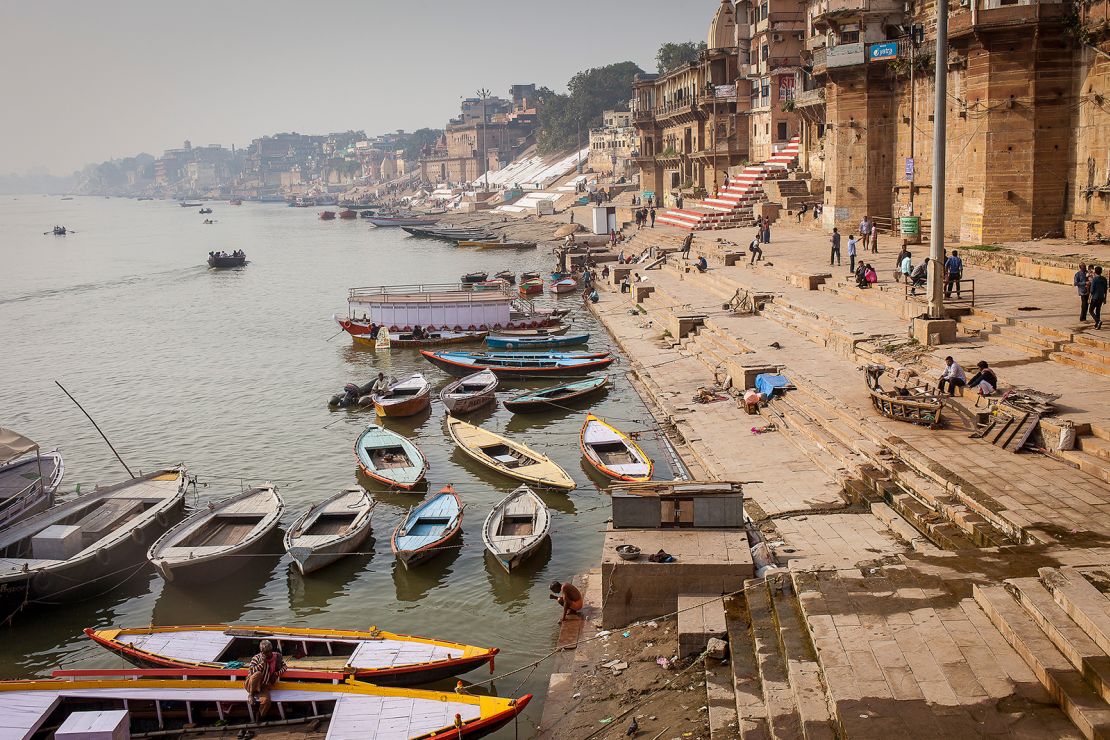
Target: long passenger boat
{"points": [[384, 658], [541, 366], [207, 704]]}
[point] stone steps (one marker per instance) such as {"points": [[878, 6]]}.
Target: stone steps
{"points": [[1091, 464], [1094, 446], [751, 707]]}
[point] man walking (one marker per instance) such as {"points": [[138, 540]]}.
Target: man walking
{"points": [[835, 241], [1081, 287], [954, 272], [1098, 296], [755, 249], [851, 253], [686, 244], [653, 217]]}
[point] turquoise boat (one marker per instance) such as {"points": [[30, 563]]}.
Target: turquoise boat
{"points": [[427, 529], [389, 458], [555, 397], [538, 343]]}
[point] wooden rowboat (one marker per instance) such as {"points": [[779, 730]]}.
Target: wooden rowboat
{"points": [[516, 527], [508, 457], [330, 530], [500, 342], [389, 458], [428, 529], [385, 658], [556, 397], [469, 393], [207, 704], [566, 285], [527, 365], [612, 452], [909, 401], [495, 244], [405, 398], [531, 286], [223, 532], [550, 331]]}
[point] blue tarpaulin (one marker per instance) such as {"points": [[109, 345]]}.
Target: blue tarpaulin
{"points": [[767, 384]]}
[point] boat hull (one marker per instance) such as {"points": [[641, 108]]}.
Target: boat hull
{"points": [[416, 471], [200, 570], [321, 557], [308, 552], [413, 556], [461, 368], [528, 403], [408, 407], [438, 339], [536, 343], [464, 403], [594, 432], [226, 262]]}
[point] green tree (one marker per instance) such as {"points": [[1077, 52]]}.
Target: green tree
{"points": [[672, 56], [590, 93]]}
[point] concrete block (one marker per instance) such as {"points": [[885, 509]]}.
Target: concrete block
{"points": [[745, 371], [640, 292], [809, 282], [701, 618], [619, 273], [682, 325], [931, 332], [109, 724], [731, 258], [717, 648], [57, 542]]}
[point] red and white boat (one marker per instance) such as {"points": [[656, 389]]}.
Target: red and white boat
{"points": [[566, 285]]}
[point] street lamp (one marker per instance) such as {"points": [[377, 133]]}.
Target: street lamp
{"points": [[483, 94]]}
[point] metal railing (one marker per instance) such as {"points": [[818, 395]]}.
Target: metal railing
{"points": [[956, 293]]}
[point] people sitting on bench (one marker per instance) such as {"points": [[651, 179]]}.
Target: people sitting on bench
{"points": [[985, 380], [953, 375]]}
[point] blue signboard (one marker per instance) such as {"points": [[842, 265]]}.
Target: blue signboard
{"points": [[883, 51]]}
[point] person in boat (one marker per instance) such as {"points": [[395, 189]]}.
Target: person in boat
{"points": [[380, 387], [263, 672], [568, 596], [418, 332], [503, 239], [594, 297]]}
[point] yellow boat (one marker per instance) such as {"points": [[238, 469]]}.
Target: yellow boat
{"points": [[385, 658], [612, 452], [507, 457], [498, 244], [205, 705]]}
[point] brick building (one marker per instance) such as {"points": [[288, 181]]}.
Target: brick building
{"points": [[777, 32], [613, 144]]}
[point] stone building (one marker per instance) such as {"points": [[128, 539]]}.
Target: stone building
{"points": [[1028, 131], [691, 122], [777, 33], [613, 144]]}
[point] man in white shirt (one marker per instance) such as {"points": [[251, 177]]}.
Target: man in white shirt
{"points": [[954, 375]]}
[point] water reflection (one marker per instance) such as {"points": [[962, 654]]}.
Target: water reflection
{"points": [[512, 590], [414, 584], [310, 595]]}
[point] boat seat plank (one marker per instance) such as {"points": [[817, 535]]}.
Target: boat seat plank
{"points": [[359, 717], [393, 653], [22, 712], [199, 646]]}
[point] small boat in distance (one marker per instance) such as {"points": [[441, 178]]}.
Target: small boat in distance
{"points": [[348, 214], [507, 457], [329, 530], [223, 260], [495, 284], [548, 331], [565, 285], [612, 452], [557, 397], [204, 211], [389, 458], [327, 215], [426, 339], [235, 202], [474, 277], [387, 221], [531, 286], [406, 397], [536, 343], [28, 477], [428, 529], [385, 658], [469, 393], [516, 527], [187, 204], [507, 275]]}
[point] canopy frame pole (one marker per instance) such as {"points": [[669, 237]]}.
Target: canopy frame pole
{"points": [[98, 429]]}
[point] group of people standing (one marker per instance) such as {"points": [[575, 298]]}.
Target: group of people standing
{"points": [[1091, 285], [643, 215], [917, 276]]}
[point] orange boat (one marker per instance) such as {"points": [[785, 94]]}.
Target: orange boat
{"points": [[348, 214], [327, 215]]}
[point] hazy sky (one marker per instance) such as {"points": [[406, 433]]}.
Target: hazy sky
{"points": [[86, 81]]}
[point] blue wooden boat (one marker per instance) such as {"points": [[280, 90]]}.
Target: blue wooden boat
{"points": [[428, 528], [510, 342], [390, 458], [582, 355], [555, 397], [524, 365]]}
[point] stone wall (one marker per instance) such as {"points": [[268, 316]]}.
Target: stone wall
{"points": [[1089, 184]]}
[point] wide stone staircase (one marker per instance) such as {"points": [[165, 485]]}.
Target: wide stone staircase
{"points": [[732, 206]]}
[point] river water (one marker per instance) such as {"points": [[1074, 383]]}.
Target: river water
{"points": [[229, 372]]}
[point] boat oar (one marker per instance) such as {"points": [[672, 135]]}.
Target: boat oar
{"points": [[98, 429]]}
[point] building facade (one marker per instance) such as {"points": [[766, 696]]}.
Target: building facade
{"points": [[613, 144], [777, 32]]}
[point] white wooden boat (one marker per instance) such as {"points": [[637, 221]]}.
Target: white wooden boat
{"points": [[612, 452], [224, 532], [84, 544], [383, 658], [469, 393], [516, 527], [508, 457], [161, 704], [428, 529], [405, 397], [28, 477], [330, 530]]}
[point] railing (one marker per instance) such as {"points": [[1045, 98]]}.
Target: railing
{"points": [[963, 288], [356, 295]]}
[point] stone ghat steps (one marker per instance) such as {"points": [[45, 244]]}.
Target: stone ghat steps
{"points": [[1059, 623], [779, 686]]}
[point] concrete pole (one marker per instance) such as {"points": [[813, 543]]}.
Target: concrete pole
{"points": [[936, 268]]}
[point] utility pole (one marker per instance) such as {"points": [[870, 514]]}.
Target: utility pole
{"points": [[578, 143], [484, 95], [936, 235], [913, 107]]}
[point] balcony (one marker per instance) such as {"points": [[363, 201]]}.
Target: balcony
{"points": [[830, 11], [988, 15], [835, 57], [803, 98]]}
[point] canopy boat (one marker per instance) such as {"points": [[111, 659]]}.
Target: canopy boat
{"points": [[507, 457], [511, 342], [470, 393], [428, 528], [207, 705], [549, 331], [507, 276], [28, 477], [330, 530], [474, 277], [405, 397], [537, 366], [566, 285], [389, 458], [428, 339], [556, 397], [909, 400], [531, 286], [387, 221], [348, 214], [204, 211], [612, 452], [385, 658], [237, 258], [76, 547], [327, 215], [495, 284], [516, 527], [222, 532]]}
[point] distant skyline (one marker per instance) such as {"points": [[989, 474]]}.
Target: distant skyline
{"points": [[87, 82]]}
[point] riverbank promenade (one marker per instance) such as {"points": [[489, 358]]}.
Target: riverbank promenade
{"points": [[929, 582]]}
